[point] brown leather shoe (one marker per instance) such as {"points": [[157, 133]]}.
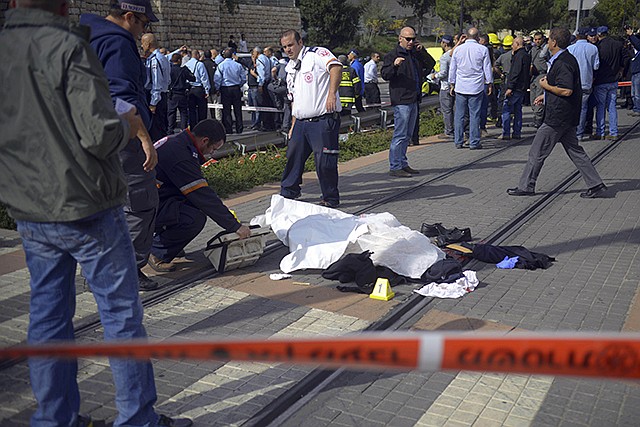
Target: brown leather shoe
{"points": [[159, 265]]}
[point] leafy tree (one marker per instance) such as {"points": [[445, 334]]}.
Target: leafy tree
{"points": [[615, 13], [420, 8], [449, 11], [524, 16], [374, 17], [330, 23]]}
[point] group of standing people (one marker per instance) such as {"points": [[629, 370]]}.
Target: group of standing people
{"points": [[98, 203]]}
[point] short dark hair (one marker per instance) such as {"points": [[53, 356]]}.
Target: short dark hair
{"points": [[294, 33], [562, 36], [176, 58], [538, 33], [210, 128], [207, 54], [227, 53]]}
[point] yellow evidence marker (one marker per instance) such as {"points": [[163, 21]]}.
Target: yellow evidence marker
{"points": [[382, 290]]}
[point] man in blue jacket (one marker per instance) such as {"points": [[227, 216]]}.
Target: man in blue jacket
{"points": [[114, 40], [186, 200], [359, 69]]}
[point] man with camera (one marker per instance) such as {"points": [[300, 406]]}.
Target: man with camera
{"points": [[635, 70]]}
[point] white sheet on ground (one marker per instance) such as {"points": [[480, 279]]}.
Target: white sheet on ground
{"points": [[319, 236], [456, 289]]}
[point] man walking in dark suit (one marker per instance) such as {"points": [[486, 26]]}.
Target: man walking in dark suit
{"points": [[562, 98]]}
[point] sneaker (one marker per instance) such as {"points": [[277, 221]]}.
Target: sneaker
{"points": [[159, 265], [400, 173], [411, 170], [165, 421], [444, 136], [326, 204], [594, 192], [145, 283]]}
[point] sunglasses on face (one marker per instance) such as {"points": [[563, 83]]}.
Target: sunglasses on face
{"points": [[409, 39], [145, 22]]}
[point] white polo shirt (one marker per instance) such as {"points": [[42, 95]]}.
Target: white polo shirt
{"points": [[309, 85]]}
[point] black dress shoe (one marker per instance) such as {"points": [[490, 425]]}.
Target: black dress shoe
{"points": [[594, 192], [326, 204], [145, 283], [475, 147], [410, 170], [518, 192]]}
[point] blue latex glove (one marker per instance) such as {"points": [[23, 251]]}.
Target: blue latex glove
{"points": [[507, 262]]}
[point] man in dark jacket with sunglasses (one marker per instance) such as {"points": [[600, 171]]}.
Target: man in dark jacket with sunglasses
{"points": [[405, 68]]}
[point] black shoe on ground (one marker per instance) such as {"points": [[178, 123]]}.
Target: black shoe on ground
{"points": [[297, 196], [518, 192], [326, 204], [475, 147], [459, 146], [410, 170], [594, 192], [432, 230], [145, 283], [416, 142], [399, 173], [165, 421], [516, 136]]}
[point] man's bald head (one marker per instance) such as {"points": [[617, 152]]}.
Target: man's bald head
{"points": [[518, 42], [150, 39], [473, 33], [59, 7]]}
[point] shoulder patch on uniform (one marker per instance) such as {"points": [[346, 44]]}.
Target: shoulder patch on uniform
{"points": [[313, 49]]}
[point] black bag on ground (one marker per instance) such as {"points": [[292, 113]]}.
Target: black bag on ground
{"points": [[526, 259]]}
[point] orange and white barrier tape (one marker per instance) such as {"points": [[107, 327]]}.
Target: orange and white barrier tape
{"points": [[624, 84], [574, 354]]}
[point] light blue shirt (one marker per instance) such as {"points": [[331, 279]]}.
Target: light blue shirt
{"points": [[443, 75], [229, 73], [158, 76], [200, 72], [263, 66], [470, 68], [218, 59], [588, 60]]}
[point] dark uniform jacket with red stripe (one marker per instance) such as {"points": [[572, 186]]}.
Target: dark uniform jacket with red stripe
{"points": [[180, 180]]}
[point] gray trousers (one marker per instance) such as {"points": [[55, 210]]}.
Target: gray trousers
{"points": [[536, 91], [542, 145], [446, 106]]}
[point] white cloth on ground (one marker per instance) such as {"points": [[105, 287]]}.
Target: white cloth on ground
{"points": [[319, 236], [456, 289]]}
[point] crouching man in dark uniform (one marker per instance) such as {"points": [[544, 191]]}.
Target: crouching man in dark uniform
{"points": [[185, 198]]}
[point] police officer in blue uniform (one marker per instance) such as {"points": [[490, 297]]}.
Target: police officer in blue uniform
{"points": [[185, 197]]}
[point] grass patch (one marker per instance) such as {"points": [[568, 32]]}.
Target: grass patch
{"points": [[241, 173]]}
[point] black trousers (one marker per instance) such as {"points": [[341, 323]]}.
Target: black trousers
{"points": [[177, 102], [231, 96], [372, 93], [197, 105], [159, 119], [266, 119]]}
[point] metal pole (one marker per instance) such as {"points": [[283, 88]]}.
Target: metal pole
{"points": [[461, 16], [578, 14]]}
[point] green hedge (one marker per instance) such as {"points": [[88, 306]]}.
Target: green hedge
{"points": [[240, 173]]}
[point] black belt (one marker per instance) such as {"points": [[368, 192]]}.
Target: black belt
{"points": [[322, 117]]}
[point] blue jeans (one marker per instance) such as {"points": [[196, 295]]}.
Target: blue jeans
{"points": [[635, 91], [474, 104], [606, 94], [252, 100], [102, 246], [512, 105], [586, 94], [404, 122], [484, 110]]}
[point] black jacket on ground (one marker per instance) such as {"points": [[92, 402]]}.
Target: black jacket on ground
{"points": [[561, 111], [405, 87], [518, 79]]}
